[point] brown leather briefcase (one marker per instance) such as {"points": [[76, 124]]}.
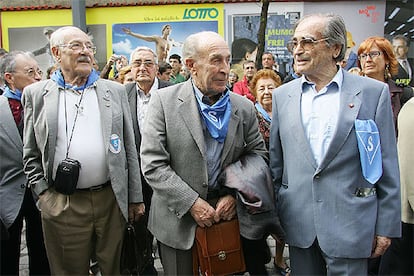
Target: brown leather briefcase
{"points": [[217, 249]]}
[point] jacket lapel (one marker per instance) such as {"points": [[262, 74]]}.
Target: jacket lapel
{"points": [[188, 105], [51, 104], [105, 107], [297, 132], [231, 133], [348, 112], [9, 125]]}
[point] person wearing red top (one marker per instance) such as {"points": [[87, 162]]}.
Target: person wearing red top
{"points": [[242, 87]]}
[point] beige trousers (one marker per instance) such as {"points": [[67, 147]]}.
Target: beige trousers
{"points": [[92, 222]]}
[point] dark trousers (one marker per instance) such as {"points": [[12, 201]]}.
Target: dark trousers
{"points": [[399, 257], [256, 255], [10, 248]]}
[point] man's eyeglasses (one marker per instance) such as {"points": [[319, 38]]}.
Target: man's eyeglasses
{"points": [[372, 55], [306, 43], [78, 46], [138, 63], [31, 72]]}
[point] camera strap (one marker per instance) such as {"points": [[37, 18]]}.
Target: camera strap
{"points": [[78, 106]]}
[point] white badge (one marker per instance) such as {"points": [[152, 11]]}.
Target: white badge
{"points": [[115, 144]]}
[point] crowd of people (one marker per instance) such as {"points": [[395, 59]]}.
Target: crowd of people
{"points": [[147, 141]]}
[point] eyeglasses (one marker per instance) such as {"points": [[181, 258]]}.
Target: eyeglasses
{"points": [[138, 63], [372, 55], [31, 72], [78, 46], [306, 43]]}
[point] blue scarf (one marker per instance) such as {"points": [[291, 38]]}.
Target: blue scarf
{"points": [[58, 78], [217, 116], [10, 94], [265, 115]]}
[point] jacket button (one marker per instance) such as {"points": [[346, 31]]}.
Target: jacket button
{"points": [[22, 186], [204, 184], [317, 176]]}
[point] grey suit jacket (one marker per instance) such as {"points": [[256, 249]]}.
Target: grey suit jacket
{"points": [[319, 201], [40, 102], [174, 162], [12, 178]]}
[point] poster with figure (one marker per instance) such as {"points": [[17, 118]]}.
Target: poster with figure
{"points": [[165, 38], [279, 30]]}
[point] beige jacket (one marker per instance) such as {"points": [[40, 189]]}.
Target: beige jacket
{"points": [[406, 159]]}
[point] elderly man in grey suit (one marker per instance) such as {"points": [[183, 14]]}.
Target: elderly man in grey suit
{"points": [[196, 129], [79, 116], [333, 157], [17, 205], [144, 65]]}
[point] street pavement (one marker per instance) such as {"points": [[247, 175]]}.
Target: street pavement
{"points": [[24, 262]]}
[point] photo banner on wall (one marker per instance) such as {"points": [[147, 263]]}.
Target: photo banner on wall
{"points": [[279, 30], [164, 38]]}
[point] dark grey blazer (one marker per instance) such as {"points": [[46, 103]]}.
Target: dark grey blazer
{"points": [[12, 178]]}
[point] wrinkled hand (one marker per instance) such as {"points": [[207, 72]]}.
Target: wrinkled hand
{"points": [[135, 211], [203, 213], [379, 246], [225, 208]]}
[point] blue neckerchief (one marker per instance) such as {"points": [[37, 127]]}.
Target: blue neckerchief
{"points": [[217, 116], [58, 78], [16, 94], [265, 115]]}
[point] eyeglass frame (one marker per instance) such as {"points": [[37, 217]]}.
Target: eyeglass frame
{"points": [[372, 55], [30, 72], [147, 64], [310, 43], [90, 48]]}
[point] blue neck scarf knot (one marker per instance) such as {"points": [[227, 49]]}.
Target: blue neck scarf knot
{"points": [[58, 78]]}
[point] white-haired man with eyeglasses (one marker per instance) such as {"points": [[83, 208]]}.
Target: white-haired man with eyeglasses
{"points": [[333, 157], [144, 67], [17, 205], [80, 158]]}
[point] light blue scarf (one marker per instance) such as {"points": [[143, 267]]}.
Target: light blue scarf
{"points": [[265, 115], [10, 94], [58, 78], [369, 146], [217, 116]]}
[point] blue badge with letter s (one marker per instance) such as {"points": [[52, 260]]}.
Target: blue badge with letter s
{"points": [[115, 144]]}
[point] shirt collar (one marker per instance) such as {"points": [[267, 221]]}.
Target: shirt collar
{"points": [[337, 80], [154, 87]]}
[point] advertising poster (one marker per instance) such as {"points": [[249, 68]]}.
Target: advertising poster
{"points": [[279, 30], [165, 38], [105, 26]]}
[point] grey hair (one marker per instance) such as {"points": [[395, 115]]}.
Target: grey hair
{"points": [[334, 30], [143, 48], [8, 63], [403, 38]]}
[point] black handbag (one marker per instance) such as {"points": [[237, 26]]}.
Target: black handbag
{"points": [[136, 253]]}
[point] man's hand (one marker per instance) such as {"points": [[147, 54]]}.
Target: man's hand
{"points": [[225, 208], [135, 211], [202, 213], [379, 246]]}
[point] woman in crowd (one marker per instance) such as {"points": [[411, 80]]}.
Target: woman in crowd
{"points": [[262, 85], [377, 60], [232, 79]]}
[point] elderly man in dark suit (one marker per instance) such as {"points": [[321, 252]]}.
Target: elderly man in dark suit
{"points": [[18, 69], [144, 66], [333, 157]]}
